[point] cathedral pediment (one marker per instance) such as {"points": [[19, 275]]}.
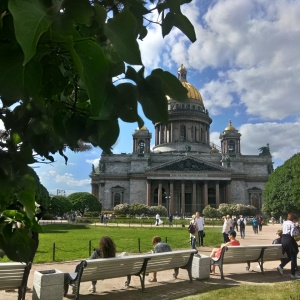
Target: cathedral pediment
{"points": [[188, 165]]}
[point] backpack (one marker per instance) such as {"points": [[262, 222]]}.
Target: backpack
{"points": [[192, 228], [242, 224]]}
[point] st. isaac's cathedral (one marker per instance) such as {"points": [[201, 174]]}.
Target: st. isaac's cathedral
{"points": [[184, 171]]}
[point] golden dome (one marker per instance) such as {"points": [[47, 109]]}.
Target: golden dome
{"points": [[229, 126], [142, 128], [193, 93]]}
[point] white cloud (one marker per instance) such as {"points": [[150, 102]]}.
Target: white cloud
{"points": [[69, 180], [256, 43]]}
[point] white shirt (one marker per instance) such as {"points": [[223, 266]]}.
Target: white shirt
{"points": [[288, 227], [200, 223], [226, 226]]}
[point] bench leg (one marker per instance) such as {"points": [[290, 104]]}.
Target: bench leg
{"points": [[175, 274], [127, 282], [221, 271]]}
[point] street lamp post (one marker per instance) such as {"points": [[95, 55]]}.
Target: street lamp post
{"points": [[167, 202]]}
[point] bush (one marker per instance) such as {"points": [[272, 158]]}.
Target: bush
{"points": [[48, 217]]}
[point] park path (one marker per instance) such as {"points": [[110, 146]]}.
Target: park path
{"points": [[167, 287]]}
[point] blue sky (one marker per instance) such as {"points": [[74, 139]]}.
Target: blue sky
{"points": [[246, 65]]}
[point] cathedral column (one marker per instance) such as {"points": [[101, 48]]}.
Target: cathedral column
{"points": [[228, 193], [217, 194], [156, 135], [160, 134], [182, 197], [166, 134], [171, 200], [159, 193], [148, 200], [205, 194], [194, 197]]}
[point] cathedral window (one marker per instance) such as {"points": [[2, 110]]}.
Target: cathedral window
{"points": [[231, 146], [117, 199], [141, 147]]}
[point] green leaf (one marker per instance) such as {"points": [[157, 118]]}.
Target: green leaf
{"points": [[184, 24], [93, 68], [80, 12], [167, 23], [143, 33], [30, 21], [16, 80], [100, 14], [127, 103], [153, 99], [123, 37], [171, 85], [132, 74]]}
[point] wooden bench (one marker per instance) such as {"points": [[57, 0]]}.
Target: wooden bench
{"points": [[248, 254], [181, 259], [14, 276], [127, 266]]}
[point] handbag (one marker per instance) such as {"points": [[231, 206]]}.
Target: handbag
{"points": [[203, 234]]}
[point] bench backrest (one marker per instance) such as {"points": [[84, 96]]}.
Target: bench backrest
{"points": [[272, 252], [11, 275], [240, 254], [169, 260], [105, 268]]}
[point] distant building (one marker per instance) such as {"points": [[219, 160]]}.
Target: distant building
{"points": [[184, 172]]}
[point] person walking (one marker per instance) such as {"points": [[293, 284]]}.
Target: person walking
{"points": [[200, 226], [230, 221], [260, 223], [235, 224], [255, 225], [289, 245], [242, 224], [225, 229], [193, 234], [157, 218], [170, 220]]}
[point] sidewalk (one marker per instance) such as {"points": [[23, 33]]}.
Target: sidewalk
{"points": [[167, 287]]}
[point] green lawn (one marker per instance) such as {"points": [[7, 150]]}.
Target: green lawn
{"points": [[273, 291], [72, 241]]}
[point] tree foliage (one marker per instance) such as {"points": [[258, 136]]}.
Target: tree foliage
{"points": [[233, 209], [83, 202], [59, 206], [282, 191], [67, 78]]}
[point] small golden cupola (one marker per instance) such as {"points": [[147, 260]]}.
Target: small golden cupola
{"points": [[193, 93], [229, 126], [230, 140]]}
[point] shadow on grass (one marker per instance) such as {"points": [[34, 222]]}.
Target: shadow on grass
{"points": [[52, 228]]}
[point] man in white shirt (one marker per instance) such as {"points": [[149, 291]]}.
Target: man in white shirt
{"points": [[200, 226], [157, 218]]}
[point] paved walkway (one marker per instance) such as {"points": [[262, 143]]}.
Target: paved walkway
{"points": [[167, 287]]}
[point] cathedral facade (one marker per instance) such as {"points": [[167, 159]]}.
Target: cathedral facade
{"points": [[184, 171]]}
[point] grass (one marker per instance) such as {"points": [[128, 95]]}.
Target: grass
{"points": [[273, 291], [74, 242]]}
